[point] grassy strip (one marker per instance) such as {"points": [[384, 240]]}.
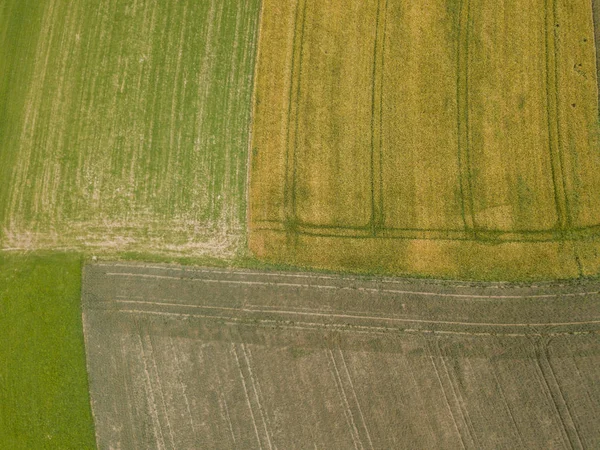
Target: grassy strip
{"points": [[44, 401]]}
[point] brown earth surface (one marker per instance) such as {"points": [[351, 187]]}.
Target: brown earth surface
{"points": [[198, 358]]}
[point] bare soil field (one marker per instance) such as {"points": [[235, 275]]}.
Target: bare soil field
{"points": [[198, 358], [442, 139]]}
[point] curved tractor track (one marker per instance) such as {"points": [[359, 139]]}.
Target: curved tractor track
{"points": [[203, 358]]}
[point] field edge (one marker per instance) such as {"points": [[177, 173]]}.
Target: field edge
{"points": [[448, 259]]}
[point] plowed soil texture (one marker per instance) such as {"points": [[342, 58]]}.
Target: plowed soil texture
{"points": [[193, 358]]}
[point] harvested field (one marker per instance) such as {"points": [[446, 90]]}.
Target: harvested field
{"points": [[198, 358], [451, 141], [124, 125]]}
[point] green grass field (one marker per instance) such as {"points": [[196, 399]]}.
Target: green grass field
{"points": [[44, 401], [442, 139], [124, 125]]}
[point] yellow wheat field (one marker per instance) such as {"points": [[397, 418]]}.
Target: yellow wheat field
{"points": [[441, 138]]}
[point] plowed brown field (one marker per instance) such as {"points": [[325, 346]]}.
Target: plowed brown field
{"points": [[198, 358]]}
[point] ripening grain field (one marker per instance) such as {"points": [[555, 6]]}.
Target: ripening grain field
{"points": [[124, 124], [444, 138]]}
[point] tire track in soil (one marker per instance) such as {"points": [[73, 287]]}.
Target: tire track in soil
{"points": [[347, 410], [462, 93], [257, 394], [334, 322], [432, 358], [243, 378], [549, 388], [508, 408]]}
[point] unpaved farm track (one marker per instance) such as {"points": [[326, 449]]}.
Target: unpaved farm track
{"points": [[202, 358], [441, 139]]}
